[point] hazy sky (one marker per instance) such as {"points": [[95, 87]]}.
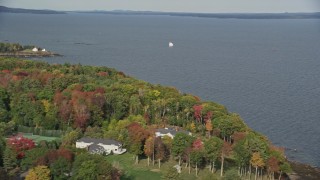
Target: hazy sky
{"points": [[172, 5]]}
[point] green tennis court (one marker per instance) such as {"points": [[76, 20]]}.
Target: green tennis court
{"points": [[38, 138]]}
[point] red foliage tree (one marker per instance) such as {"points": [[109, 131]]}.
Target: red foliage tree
{"points": [[103, 74], [137, 137], [137, 133], [64, 106], [54, 155], [23, 74], [273, 165], [160, 150], [43, 77], [65, 110], [197, 98], [198, 112], [81, 115], [6, 71], [97, 99], [146, 117], [20, 144], [225, 151], [197, 144], [238, 136], [5, 79], [99, 90], [208, 116]]}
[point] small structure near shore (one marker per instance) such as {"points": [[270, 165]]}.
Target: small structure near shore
{"points": [[17, 50]]}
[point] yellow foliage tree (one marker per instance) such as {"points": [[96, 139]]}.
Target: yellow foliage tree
{"points": [[256, 161], [39, 173], [46, 105], [193, 127], [209, 127]]}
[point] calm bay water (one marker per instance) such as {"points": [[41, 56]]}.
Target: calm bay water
{"points": [[268, 71]]}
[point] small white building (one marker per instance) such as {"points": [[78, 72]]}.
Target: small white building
{"points": [[171, 132], [99, 146], [44, 50], [35, 49]]}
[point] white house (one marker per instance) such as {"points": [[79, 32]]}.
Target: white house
{"points": [[44, 50], [171, 132], [99, 146], [35, 49]]}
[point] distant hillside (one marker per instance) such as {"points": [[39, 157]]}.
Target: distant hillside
{"points": [[315, 15], [4, 9], [254, 15]]}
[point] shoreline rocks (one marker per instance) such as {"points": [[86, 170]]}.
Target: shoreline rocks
{"points": [[304, 171]]}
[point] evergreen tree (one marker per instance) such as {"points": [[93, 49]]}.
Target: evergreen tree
{"points": [[180, 142], [60, 168], [87, 171], [9, 159], [213, 149], [2, 148]]}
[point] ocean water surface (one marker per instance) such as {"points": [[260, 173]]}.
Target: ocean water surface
{"points": [[268, 71]]}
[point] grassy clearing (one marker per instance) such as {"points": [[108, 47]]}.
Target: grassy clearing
{"points": [[132, 171], [142, 171], [37, 138]]}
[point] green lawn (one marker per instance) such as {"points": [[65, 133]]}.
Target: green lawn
{"points": [[37, 138], [142, 171]]}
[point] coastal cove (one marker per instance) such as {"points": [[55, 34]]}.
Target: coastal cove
{"points": [[270, 78]]}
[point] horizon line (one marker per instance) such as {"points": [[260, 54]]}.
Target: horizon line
{"points": [[151, 11]]}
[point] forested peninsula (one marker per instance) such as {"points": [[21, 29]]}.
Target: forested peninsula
{"points": [[26, 51], [45, 109]]}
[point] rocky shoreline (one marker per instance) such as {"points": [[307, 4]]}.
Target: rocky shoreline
{"points": [[29, 54], [304, 171]]}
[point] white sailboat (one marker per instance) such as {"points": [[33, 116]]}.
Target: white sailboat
{"points": [[170, 44]]}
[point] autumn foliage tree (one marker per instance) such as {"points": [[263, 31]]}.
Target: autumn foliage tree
{"points": [[51, 156], [180, 143], [273, 166], [39, 173], [197, 153], [81, 104], [167, 141], [209, 127], [198, 112], [137, 136], [225, 151], [149, 148], [160, 150], [20, 144], [257, 162]]}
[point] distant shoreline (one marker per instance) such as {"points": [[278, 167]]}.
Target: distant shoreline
{"points": [[27, 51], [29, 54], [284, 15]]}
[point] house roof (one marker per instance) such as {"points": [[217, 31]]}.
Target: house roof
{"points": [[97, 141], [95, 148], [172, 131]]}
